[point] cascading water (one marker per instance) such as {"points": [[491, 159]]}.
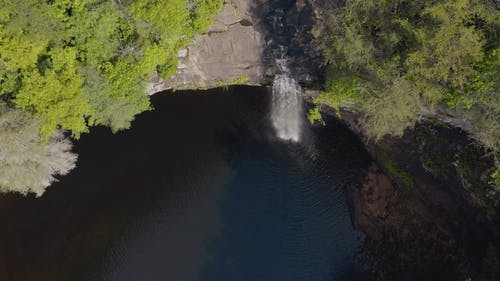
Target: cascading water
{"points": [[286, 112]]}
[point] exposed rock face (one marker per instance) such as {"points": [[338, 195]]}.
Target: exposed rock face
{"points": [[240, 47], [230, 52], [426, 207], [404, 241]]}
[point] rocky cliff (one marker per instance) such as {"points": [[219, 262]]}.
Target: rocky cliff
{"points": [[230, 52], [425, 205], [243, 43]]}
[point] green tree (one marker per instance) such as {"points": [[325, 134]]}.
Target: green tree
{"points": [[411, 57], [74, 64], [71, 64], [391, 110], [55, 96]]}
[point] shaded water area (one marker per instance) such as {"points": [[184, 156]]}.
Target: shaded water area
{"points": [[200, 189]]}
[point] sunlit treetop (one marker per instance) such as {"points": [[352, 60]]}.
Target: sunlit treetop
{"points": [[396, 61], [77, 63]]}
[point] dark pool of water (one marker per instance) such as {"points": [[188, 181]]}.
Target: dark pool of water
{"points": [[197, 190]]}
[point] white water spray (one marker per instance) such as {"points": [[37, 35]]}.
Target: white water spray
{"points": [[286, 104]]}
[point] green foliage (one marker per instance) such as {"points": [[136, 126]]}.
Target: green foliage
{"points": [[201, 13], [233, 81], [495, 179], [340, 92], [393, 168], [448, 52], [437, 163], [55, 97], [408, 57], [239, 80], [485, 120], [474, 171], [74, 64], [29, 162], [71, 64], [315, 116], [114, 103], [392, 110]]}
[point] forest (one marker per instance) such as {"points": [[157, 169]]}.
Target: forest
{"points": [[67, 65], [206, 174], [400, 61]]}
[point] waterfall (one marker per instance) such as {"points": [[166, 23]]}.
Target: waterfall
{"points": [[286, 112]]}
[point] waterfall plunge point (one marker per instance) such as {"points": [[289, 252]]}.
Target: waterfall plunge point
{"points": [[286, 104]]}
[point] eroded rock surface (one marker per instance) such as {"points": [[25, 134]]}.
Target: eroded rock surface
{"points": [[230, 52], [425, 205], [240, 47]]}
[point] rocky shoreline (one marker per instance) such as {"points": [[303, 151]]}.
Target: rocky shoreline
{"points": [[421, 204]]}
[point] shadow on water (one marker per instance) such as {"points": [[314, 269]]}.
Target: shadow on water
{"points": [[197, 190]]}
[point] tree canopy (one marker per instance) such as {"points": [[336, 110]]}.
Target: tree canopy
{"points": [[67, 65], [399, 60], [26, 165], [74, 64]]}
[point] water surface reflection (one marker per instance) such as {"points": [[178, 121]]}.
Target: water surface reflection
{"points": [[197, 190]]}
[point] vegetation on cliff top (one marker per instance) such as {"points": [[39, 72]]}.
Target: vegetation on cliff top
{"points": [[26, 165], [69, 65], [399, 60]]}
